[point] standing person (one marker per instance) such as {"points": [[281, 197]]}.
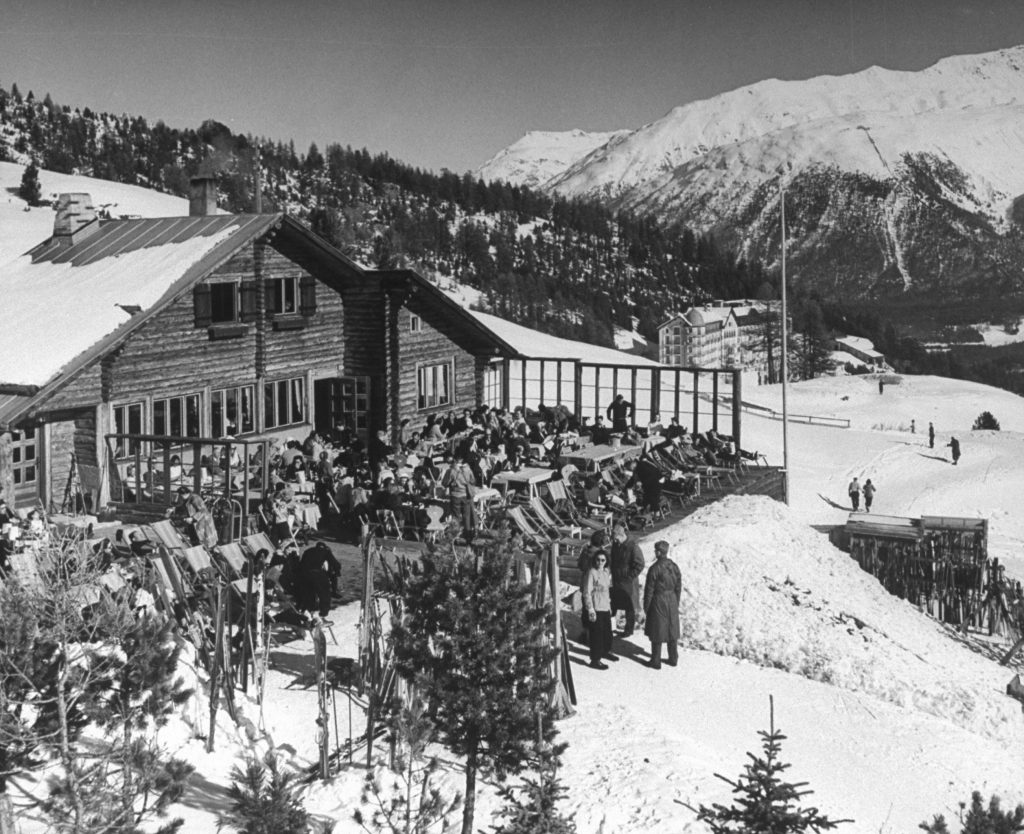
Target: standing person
{"points": [[597, 604], [954, 446], [662, 591], [620, 412], [627, 564], [869, 494], [913, 427], [931, 436], [854, 491], [461, 489]]}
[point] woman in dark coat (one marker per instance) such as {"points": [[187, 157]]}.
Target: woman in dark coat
{"points": [[662, 590]]}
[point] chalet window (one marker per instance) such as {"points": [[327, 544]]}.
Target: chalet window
{"points": [[232, 411], [284, 402], [224, 303], [493, 386], [177, 416], [434, 385], [23, 456], [415, 324], [127, 420], [284, 296]]}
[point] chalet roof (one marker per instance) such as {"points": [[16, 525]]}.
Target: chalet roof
{"points": [[861, 344], [87, 291], [422, 296], [532, 344]]}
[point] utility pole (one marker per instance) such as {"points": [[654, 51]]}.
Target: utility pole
{"points": [[785, 352]]}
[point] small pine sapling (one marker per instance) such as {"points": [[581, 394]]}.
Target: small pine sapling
{"points": [[985, 420], [264, 800], [763, 800], [533, 807], [409, 803]]}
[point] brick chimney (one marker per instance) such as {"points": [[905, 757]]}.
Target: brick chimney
{"points": [[202, 198], [76, 219]]}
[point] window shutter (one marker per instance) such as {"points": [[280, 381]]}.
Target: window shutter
{"points": [[201, 303], [307, 295], [270, 294], [249, 301]]}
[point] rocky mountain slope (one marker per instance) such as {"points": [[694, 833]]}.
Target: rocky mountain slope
{"points": [[895, 181]]}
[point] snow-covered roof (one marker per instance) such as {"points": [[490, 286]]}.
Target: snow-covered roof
{"points": [[65, 301], [533, 343], [859, 343]]}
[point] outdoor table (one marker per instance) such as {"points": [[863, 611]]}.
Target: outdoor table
{"points": [[591, 458], [527, 478]]}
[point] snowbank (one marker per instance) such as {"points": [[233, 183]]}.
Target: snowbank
{"points": [[761, 586]]}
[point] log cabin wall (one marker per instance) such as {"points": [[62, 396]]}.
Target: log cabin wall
{"points": [[433, 343], [363, 323], [68, 434]]}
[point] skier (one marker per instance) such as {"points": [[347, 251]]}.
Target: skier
{"points": [[854, 492], [954, 446], [869, 494], [931, 436], [913, 427]]}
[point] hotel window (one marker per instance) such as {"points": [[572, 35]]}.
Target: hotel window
{"points": [[127, 420], [284, 402], [232, 411], [177, 416], [23, 456], [433, 385]]}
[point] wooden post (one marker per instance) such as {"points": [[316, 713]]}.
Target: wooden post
{"points": [[714, 401], [560, 698], [696, 401]]}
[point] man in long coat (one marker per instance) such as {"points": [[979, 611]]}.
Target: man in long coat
{"points": [[662, 590], [627, 562]]}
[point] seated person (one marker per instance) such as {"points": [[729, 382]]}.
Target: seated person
{"points": [[600, 434], [175, 469]]}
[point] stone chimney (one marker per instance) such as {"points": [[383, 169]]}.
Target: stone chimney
{"points": [[76, 219], [202, 198]]}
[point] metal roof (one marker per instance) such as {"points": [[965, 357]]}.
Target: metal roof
{"points": [[116, 237]]}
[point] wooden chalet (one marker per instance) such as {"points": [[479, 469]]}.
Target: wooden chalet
{"points": [[211, 325]]}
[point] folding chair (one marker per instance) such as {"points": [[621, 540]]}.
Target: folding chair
{"points": [[233, 557], [564, 507], [551, 523]]}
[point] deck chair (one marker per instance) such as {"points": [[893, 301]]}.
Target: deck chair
{"points": [[538, 536], [255, 542], [565, 508], [198, 559], [166, 534], [26, 571], [551, 523], [233, 557]]}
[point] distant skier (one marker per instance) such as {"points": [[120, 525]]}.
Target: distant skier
{"points": [[869, 494], [913, 427], [881, 386], [931, 436], [954, 446], [854, 492]]}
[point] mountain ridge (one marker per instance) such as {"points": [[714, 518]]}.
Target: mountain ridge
{"points": [[703, 163]]}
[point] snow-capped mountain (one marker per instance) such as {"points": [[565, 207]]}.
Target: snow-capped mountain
{"points": [[541, 155], [894, 180]]}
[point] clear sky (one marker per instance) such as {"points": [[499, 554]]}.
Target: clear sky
{"points": [[447, 83]]}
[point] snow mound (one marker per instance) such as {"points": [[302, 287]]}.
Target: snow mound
{"points": [[761, 586]]}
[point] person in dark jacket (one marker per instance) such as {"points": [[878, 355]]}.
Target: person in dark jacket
{"points": [[662, 590], [620, 412], [869, 494], [627, 563], [954, 447], [318, 573], [931, 436]]}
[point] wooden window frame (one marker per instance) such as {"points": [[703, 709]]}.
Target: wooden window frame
{"points": [[431, 368], [25, 467], [121, 452], [415, 323], [283, 387], [182, 401], [221, 430]]}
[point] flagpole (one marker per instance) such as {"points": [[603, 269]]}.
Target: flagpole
{"points": [[785, 352]]}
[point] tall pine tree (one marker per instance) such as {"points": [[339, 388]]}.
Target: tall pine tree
{"points": [[476, 648]]}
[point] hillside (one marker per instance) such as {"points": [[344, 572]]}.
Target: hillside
{"points": [[895, 181], [566, 266]]}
